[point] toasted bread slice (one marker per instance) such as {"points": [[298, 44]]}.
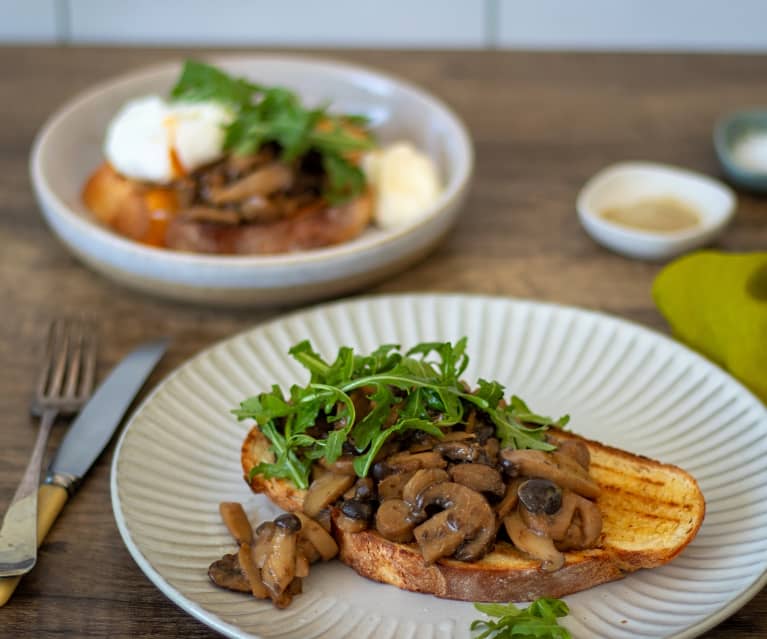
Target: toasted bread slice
{"points": [[147, 214], [650, 512]]}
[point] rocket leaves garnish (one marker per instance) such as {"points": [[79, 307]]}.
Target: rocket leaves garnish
{"points": [[265, 115], [418, 390], [537, 621]]}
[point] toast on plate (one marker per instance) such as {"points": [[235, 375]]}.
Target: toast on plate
{"points": [[650, 512]]}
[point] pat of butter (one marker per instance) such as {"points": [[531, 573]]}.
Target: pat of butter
{"points": [[405, 182], [157, 141]]}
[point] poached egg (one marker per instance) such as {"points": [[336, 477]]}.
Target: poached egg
{"points": [[153, 140]]}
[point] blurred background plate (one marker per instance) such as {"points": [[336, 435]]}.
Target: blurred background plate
{"points": [[622, 384], [68, 148]]}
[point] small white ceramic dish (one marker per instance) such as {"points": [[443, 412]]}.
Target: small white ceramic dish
{"points": [[625, 183], [68, 148]]}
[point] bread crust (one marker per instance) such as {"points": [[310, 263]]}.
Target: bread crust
{"points": [[651, 511]]}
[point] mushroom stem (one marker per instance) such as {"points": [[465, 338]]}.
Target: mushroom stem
{"points": [[535, 545]]}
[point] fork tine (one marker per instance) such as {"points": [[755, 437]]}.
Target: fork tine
{"points": [[77, 329], [59, 360], [54, 329], [90, 343]]}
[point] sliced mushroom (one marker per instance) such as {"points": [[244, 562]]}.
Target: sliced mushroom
{"points": [[251, 572], [344, 465], [531, 543], [553, 525], [572, 448], [509, 501], [209, 214], [465, 514], [439, 536], [257, 208], [585, 527], [325, 491], [391, 487], [302, 564], [264, 181], [562, 470], [308, 550], [264, 534], [483, 479], [226, 573], [420, 480], [236, 521], [279, 568], [408, 462], [237, 165], [324, 519], [322, 541], [393, 521], [477, 547]]}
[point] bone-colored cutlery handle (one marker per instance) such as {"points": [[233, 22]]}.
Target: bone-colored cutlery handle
{"points": [[50, 501]]}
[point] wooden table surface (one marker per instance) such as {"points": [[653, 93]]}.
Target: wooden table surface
{"points": [[542, 124]]}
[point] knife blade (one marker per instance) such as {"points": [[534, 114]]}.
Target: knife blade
{"points": [[91, 431], [87, 438]]}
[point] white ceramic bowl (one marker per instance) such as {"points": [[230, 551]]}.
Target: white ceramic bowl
{"points": [[627, 182], [68, 148]]}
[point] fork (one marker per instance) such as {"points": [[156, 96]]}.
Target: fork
{"points": [[65, 384]]}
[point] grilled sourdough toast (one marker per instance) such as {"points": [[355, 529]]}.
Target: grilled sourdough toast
{"points": [[650, 513]]}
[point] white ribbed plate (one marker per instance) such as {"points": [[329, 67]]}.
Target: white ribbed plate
{"points": [[622, 384]]}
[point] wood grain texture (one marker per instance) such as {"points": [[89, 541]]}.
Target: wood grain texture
{"points": [[543, 123]]}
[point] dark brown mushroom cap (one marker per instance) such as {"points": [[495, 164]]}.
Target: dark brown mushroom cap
{"points": [[540, 495], [357, 509], [289, 522]]}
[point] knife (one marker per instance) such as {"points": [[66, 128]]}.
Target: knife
{"points": [[87, 437]]}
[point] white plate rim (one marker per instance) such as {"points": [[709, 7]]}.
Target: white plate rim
{"points": [[230, 630]]}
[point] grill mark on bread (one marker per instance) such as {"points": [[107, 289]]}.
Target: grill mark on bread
{"points": [[612, 471], [656, 500]]}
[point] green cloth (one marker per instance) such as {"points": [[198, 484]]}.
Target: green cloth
{"points": [[717, 303]]}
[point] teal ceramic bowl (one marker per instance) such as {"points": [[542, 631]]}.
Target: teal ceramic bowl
{"points": [[728, 132]]}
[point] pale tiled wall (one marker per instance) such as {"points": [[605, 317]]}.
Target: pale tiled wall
{"points": [[737, 25]]}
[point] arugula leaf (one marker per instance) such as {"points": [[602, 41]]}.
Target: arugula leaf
{"points": [[266, 115], [537, 621], [344, 178], [287, 465], [200, 81], [404, 392]]}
